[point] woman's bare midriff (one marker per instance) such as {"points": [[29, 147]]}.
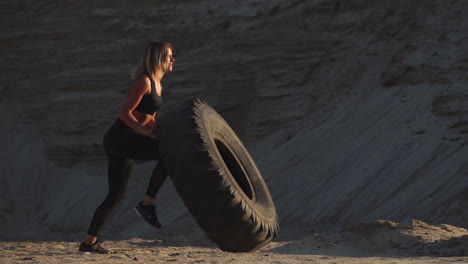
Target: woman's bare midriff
{"points": [[143, 118]]}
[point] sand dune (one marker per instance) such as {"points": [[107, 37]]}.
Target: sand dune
{"points": [[356, 113]]}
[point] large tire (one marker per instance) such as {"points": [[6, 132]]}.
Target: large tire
{"points": [[216, 178]]}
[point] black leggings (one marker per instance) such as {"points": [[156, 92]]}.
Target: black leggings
{"points": [[123, 146]]}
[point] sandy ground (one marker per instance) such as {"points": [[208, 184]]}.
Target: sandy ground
{"points": [[150, 251], [353, 111], [372, 242]]}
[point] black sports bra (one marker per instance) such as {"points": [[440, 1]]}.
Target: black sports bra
{"points": [[150, 103]]}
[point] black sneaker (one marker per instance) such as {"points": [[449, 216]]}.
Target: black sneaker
{"points": [[92, 248], [148, 214]]}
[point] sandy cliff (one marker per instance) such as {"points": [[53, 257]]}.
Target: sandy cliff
{"points": [[353, 110]]}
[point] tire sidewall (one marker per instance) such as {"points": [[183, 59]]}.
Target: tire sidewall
{"points": [[216, 128]]}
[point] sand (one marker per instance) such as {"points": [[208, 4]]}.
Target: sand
{"points": [[372, 242], [356, 113]]}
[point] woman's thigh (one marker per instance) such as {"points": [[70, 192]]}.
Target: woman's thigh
{"points": [[132, 145]]}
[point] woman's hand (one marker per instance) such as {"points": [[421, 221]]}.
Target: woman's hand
{"points": [[149, 131], [150, 125], [151, 122]]}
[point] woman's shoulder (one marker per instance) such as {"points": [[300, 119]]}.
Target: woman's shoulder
{"points": [[143, 79], [142, 82]]}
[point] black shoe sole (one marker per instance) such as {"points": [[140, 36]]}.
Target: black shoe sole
{"points": [[138, 213]]}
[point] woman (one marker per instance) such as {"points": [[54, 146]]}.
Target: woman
{"points": [[130, 138]]}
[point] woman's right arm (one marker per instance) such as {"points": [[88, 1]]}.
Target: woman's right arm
{"points": [[140, 87]]}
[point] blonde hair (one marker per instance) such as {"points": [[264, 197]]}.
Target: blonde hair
{"points": [[153, 58]]}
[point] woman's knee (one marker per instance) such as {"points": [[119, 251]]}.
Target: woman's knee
{"points": [[111, 201]]}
